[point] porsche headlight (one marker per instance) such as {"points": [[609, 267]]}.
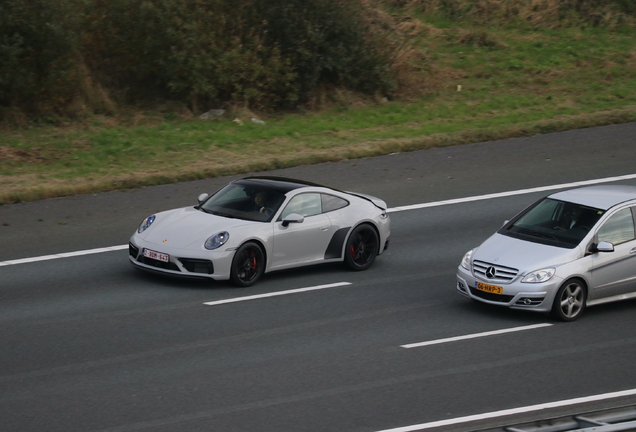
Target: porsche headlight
{"points": [[146, 223], [217, 240], [466, 259], [539, 276]]}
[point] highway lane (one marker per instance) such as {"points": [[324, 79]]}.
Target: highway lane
{"points": [[107, 219], [107, 351], [90, 344]]}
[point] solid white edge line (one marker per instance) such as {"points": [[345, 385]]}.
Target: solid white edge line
{"points": [[274, 294], [390, 210], [63, 255], [513, 411], [475, 335], [511, 193]]}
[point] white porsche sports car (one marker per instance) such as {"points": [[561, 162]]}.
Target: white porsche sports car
{"points": [[257, 225]]}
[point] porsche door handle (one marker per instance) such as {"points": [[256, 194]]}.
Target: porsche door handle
{"points": [[325, 228]]}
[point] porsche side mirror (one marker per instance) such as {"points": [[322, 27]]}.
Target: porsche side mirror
{"points": [[202, 197], [293, 218]]}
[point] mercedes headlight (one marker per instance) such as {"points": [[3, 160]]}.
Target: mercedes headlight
{"points": [[539, 276], [466, 259]]}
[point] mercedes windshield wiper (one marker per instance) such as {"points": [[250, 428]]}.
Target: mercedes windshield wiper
{"points": [[534, 233]]}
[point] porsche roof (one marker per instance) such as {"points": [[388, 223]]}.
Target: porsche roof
{"points": [[279, 184]]}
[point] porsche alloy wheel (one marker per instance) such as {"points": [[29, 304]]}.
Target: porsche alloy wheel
{"points": [[248, 265], [362, 247]]}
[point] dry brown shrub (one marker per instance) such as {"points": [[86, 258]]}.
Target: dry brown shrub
{"points": [[90, 97], [11, 117], [241, 112], [18, 155], [544, 13], [415, 74], [326, 97], [415, 28], [480, 38]]}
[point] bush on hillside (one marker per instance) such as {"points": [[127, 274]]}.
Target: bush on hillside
{"points": [[187, 50], [65, 56], [328, 42], [253, 52], [58, 55], [38, 53]]}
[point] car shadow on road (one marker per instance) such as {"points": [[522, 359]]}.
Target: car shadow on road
{"points": [[602, 311], [482, 310], [304, 275]]}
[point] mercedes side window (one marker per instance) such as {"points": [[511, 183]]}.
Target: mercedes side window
{"points": [[619, 228]]}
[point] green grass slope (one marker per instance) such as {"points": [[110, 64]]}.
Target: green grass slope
{"points": [[462, 79]]}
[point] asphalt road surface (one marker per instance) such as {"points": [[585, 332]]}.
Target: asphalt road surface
{"points": [[87, 343]]}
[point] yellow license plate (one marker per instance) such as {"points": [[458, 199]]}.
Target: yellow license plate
{"points": [[489, 288]]}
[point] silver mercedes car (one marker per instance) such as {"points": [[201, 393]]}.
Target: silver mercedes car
{"points": [[569, 250], [256, 225]]}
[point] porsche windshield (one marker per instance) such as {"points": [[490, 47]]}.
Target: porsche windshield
{"points": [[244, 201], [553, 222]]}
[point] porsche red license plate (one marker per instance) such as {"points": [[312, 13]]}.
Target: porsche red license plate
{"points": [[493, 289], [148, 253]]}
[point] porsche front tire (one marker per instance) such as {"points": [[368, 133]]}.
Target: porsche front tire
{"points": [[248, 265]]}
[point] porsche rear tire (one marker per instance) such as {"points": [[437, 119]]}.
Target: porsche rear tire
{"points": [[362, 247]]}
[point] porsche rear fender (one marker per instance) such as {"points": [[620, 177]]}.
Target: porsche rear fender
{"points": [[336, 244]]}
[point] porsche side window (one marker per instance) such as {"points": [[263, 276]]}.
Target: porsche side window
{"points": [[306, 204], [331, 203], [618, 229]]}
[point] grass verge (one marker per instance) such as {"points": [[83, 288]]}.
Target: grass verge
{"points": [[514, 82]]}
